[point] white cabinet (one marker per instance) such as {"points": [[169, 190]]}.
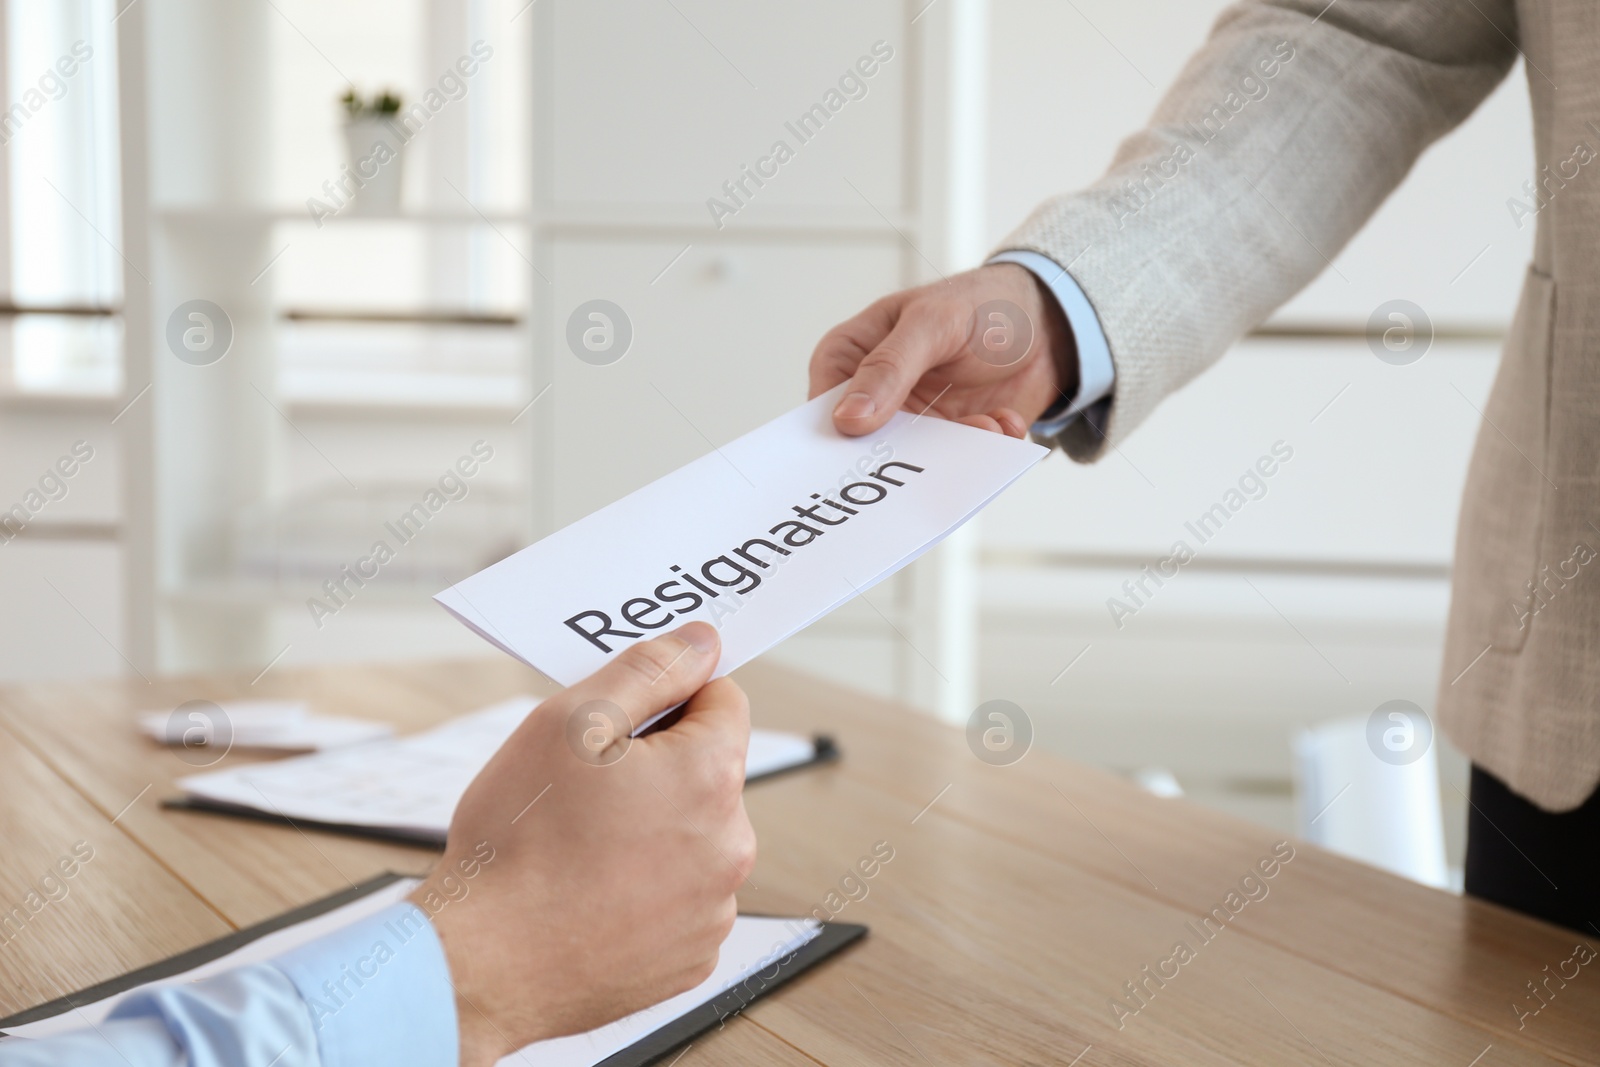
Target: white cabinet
{"points": [[720, 343], [839, 147], [659, 104]]}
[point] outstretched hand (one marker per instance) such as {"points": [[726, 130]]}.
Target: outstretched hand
{"points": [[989, 348]]}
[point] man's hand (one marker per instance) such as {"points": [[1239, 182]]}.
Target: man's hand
{"points": [[612, 864], [927, 346]]}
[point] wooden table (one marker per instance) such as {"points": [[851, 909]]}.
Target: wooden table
{"points": [[1019, 901]]}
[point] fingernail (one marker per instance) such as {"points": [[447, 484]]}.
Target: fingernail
{"points": [[855, 406], [702, 636]]}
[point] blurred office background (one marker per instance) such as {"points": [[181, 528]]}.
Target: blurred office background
{"points": [[373, 343]]}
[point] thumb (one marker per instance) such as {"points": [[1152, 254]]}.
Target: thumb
{"points": [[652, 676], [918, 343]]}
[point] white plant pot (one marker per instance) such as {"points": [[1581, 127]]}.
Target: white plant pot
{"points": [[376, 158]]}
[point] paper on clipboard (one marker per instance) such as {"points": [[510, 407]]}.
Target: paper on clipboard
{"points": [[751, 947]]}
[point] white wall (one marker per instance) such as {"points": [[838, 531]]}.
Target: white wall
{"points": [[1069, 81], [1210, 679]]}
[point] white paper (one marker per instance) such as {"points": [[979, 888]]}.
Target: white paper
{"points": [[533, 604], [275, 725], [412, 784], [751, 947], [775, 750]]}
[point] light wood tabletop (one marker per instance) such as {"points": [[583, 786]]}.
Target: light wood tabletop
{"points": [[1020, 906]]}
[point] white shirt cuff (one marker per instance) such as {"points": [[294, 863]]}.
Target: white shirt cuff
{"points": [[1097, 375]]}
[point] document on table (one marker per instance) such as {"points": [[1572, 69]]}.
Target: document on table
{"points": [[408, 787], [270, 725], [759, 954], [760, 537]]}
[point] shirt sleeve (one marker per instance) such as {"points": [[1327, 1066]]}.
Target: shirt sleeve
{"points": [[1097, 375], [376, 991], [247, 1015]]}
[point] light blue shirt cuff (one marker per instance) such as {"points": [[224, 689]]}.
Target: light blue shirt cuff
{"points": [[378, 991], [248, 1015], [1097, 375]]}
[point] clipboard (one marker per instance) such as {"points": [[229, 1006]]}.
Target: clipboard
{"points": [[824, 751], [649, 1049]]}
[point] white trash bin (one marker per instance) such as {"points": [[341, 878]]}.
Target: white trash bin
{"points": [[1368, 788]]}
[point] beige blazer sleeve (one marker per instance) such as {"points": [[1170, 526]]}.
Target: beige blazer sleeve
{"points": [[1279, 139]]}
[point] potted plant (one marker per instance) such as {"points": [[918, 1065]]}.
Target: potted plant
{"points": [[374, 141]]}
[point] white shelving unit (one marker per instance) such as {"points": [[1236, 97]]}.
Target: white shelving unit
{"points": [[724, 319], [888, 195]]}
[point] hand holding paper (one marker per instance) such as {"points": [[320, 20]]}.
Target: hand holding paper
{"points": [[563, 927], [588, 881], [990, 346]]}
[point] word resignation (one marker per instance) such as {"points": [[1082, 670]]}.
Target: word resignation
{"points": [[688, 591]]}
